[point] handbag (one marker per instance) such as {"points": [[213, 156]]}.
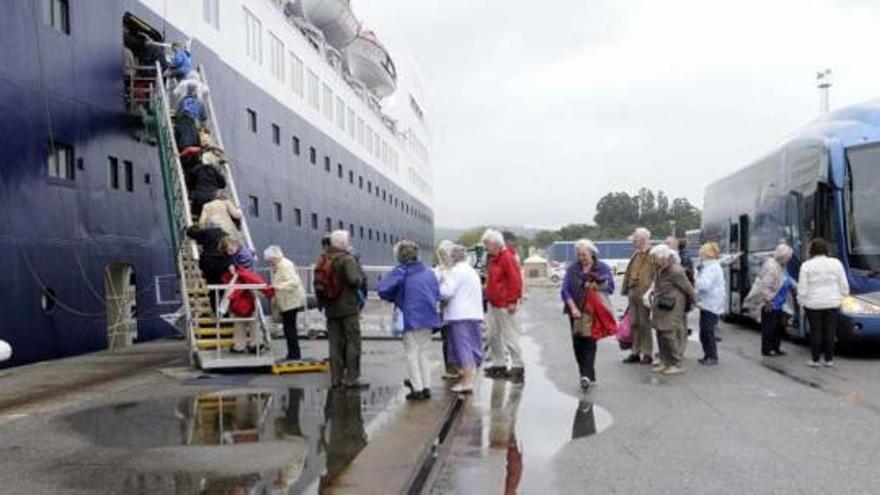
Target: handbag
{"points": [[665, 303], [583, 326], [397, 323]]}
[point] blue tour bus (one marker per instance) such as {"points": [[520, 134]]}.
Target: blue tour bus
{"points": [[824, 181], [615, 253]]}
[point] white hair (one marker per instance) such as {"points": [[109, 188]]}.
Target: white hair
{"points": [[339, 239], [493, 236], [662, 252], [582, 245], [273, 252], [458, 253], [641, 232], [782, 252]]}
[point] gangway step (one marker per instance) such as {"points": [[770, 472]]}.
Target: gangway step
{"points": [[205, 333], [308, 366], [213, 343]]}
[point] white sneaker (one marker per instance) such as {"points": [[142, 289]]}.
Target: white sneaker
{"points": [[813, 364], [829, 364]]}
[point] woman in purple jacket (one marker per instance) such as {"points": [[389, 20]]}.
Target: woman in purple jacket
{"points": [[415, 292], [585, 274]]}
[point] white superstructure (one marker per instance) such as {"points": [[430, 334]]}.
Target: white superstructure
{"points": [[288, 59]]}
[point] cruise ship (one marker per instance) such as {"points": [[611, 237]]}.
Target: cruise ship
{"points": [[324, 129]]}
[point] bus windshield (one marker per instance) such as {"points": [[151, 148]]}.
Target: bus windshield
{"points": [[863, 208]]}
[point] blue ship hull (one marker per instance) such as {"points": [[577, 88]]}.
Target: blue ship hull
{"points": [[61, 236]]}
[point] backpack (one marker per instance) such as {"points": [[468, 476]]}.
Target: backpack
{"points": [[328, 287]]}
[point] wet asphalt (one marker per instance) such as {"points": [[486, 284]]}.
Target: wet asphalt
{"points": [[750, 425]]}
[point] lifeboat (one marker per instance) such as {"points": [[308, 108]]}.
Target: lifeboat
{"points": [[369, 62], [334, 18]]}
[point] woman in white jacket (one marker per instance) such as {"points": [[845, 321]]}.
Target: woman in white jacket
{"points": [[462, 292], [711, 299], [290, 296], [822, 285]]}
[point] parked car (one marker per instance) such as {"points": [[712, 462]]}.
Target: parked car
{"points": [[557, 274]]}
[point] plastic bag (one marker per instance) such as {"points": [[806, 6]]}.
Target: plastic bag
{"points": [[397, 323]]}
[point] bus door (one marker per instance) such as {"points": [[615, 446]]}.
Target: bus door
{"points": [[739, 269]]}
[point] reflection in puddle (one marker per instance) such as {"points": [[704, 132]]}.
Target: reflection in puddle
{"points": [[235, 441], [510, 433]]}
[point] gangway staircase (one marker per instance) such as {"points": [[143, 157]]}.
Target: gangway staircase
{"points": [[209, 335]]}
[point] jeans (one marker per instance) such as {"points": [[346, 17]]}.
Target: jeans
{"points": [[823, 332], [708, 324], [288, 319], [584, 354], [772, 322]]}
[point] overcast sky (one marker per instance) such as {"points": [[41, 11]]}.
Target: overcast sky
{"points": [[540, 108]]}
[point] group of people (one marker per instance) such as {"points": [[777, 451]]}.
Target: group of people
{"points": [[662, 287]]}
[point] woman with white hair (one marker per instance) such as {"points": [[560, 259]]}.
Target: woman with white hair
{"points": [[772, 296], [712, 300], [672, 294], [290, 296], [462, 293], [581, 277], [415, 292]]}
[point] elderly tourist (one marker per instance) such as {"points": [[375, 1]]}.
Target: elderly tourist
{"points": [[443, 262], [222, 212], [711, 299], [462, 295], [415, 292], [584, 275], [636, 282], [822, 286], [772, 297], [337, 282], [672, 293], [503, 293], [290, 296]]}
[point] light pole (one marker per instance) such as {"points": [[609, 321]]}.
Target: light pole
{"points": [[824, 82]]}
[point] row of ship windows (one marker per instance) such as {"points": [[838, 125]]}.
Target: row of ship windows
{"points": [[385, 196], [305, 83], [61, 166], [367, 233]]}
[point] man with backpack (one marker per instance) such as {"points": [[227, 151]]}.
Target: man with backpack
{"points": [[337, 282]]}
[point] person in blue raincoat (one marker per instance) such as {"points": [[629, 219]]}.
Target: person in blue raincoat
{"points": [[415, 292]]}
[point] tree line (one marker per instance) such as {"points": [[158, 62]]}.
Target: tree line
{"points": [[617, 214]]}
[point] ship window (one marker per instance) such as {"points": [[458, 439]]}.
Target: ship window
{"points": [[340, 113], [276, 57], [298, 217], [339, 170], [279, 212], [361, 228], [113, 172], [254, 206], [351, 177], [47, 301], [360, 131], [253, 37], [313, 155], [276, 134], [383, 196], [328, 223], [252, 120], [341, 225], [211, 12], [314, 90], [327, 164], [361, 181], [296, 74], [350, 122], [369, 139], [60, 161], [351, 229], [129, 175], [295, 145], [370, 234], [56, 14], [327, 107], [314, 221]]}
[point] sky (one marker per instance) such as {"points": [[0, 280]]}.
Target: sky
{"points": [[538, 109]]}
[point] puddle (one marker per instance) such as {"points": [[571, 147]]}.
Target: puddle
{"points": [[510, 433], [289, 440]]}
